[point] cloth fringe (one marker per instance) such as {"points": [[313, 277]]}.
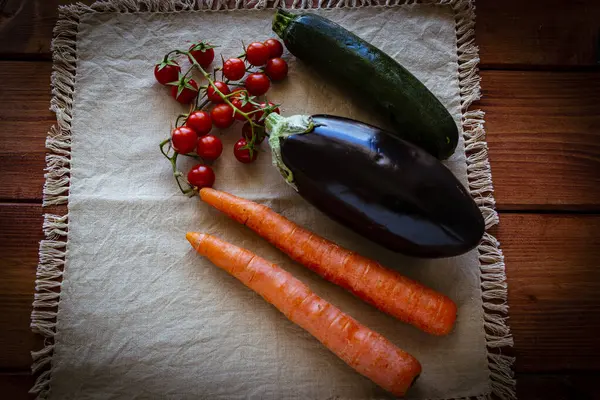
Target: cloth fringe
{"points": [[47, 295], [56, 187], [479, 174], [58, 163]]}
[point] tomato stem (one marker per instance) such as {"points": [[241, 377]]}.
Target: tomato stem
{"points": [[190, 69], [224, 97], [166, 58], [203, 104], [190, 191], [179, 117], [200, 103]]}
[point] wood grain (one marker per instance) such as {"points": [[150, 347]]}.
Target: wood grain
{"points": [[19, 237], [544, 138], [538, 33], [510, 33], [24, 122], [566, 386], [15, 386], [552, 267], [26, 27], [543, 133], [554, 289]]}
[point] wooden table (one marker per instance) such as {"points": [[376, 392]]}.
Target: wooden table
{"points": [[541, 92]]}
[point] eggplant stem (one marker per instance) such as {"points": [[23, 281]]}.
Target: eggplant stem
{"points": [[278, 128]]}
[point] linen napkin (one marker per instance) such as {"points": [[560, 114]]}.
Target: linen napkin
{"points": [[140, 314]]}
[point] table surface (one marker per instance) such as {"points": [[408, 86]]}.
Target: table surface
{"points": [[541, 94]]}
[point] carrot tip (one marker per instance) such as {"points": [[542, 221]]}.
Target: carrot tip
{"points": [[205, 191], [193, 238]]}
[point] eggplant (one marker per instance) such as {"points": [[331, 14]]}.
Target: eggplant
{"points": [[380, 186]]}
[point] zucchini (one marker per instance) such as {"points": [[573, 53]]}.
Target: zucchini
{"points": [[413, 111], [382, 187]]}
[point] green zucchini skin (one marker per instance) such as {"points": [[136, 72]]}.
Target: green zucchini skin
{"points": [[413, 111]]}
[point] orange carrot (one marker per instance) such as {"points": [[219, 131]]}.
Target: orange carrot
{"points": [[366, 351], [389, 291]]}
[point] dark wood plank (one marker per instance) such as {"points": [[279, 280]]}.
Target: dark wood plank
{"points": [[19, 236], [547, 33], [543, 131], [554, 289], [24, 122], [26, 27], [544, 138], [579, 386], [552, 268], [510, 33], [566, 386], [15, 386]]}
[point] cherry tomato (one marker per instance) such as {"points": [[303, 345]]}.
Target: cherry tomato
{"points": [[184, 139], [257, 84], [213, 95], [243, 154], [259, 131], [259, 114], [209, 147], [201, 176], [188, 92], [257, 54], [275, 48], [203, 53], [239, 89], [222, 115], [246, 108], [167, 72], [238, 99], [277, 69], [234, 69], [200, 122]]}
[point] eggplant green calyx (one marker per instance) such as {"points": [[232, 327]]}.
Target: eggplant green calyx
{"points": [[278, 128]]}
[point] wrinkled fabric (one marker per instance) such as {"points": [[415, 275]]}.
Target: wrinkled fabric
{"points": [[142, 315]]}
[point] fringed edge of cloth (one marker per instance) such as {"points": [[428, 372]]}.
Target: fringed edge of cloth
{"points": [[53, 249]]}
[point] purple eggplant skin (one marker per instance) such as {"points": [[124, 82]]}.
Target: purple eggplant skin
{"points": [[382, 187]]}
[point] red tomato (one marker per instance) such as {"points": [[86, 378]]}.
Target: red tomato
{"points": [[167, 72], [183, 139], [259, 131], [266, 110], [277, 69], [239, 89], [201, 176], [243, 154], [257, 84], [275, 48], [209, 147], [188, 92], [203, 53], [222, 115], [234, 69], [213, 95], [200, 122], [246, 108], [257, 54]]}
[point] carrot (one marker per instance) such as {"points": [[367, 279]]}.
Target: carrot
{"points": [[389, 291], [366, 351]]}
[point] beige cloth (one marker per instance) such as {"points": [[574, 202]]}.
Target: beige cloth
{"points": [[142, 315]]}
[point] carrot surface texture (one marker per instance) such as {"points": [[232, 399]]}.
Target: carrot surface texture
{"points": [[387, 290], [366, 351]]}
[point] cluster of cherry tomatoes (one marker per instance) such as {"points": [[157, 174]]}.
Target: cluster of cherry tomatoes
{"points": [[220, 103]]}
